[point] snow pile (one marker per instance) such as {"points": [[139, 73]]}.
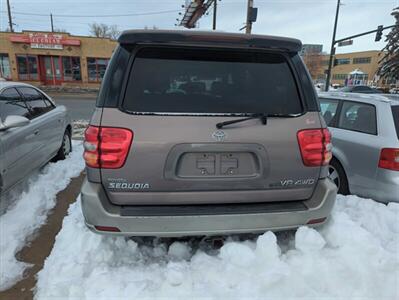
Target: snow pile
{"points": [[29, 211], [354, 256]]}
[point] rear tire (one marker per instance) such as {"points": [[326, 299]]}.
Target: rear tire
{"points": [[65, 148], [337, 174]]}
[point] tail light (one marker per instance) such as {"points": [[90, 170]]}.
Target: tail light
{"points": [[315, 146], [106, 147], [389, 159]]}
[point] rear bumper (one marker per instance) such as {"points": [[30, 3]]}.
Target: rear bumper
{"points": [[386, 186], [98, 211]]}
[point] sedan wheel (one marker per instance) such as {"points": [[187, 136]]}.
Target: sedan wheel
{"points": [[65, 148], [66, 145]]}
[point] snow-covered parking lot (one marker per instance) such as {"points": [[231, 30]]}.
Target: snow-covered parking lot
{"points": [[354, 256], [27, 211]]}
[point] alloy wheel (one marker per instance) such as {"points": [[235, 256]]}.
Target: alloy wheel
{"points": [[334, 176], [67, 144]]}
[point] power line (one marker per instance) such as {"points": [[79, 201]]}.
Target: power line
{"points": [[97, 16]]}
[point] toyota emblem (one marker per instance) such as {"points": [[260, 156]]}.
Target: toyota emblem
{"points": [[219, 135]]}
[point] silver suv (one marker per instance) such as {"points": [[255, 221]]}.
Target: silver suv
{"points": [[365, 130], [206, 133]]}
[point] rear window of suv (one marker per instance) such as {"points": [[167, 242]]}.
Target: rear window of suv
{"points": [[211, 82]]}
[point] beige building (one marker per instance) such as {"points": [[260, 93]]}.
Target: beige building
{"points": [[45, 58], [356, 66]]}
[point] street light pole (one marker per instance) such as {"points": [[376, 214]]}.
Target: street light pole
{"points": [[214, 14], [9, 16], [332, 51], [51, 20], [248, 27]]}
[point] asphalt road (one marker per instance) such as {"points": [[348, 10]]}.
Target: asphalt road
{"points": [[80, 106]]}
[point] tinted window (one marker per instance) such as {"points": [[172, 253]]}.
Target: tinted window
{"points": [[360, 88], [11, 104], [359, 117], [211, 81], [395, 113], [113, 79], [35, 100], [329, 110]]}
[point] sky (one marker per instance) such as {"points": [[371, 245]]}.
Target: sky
{"points": [[311, 21]]}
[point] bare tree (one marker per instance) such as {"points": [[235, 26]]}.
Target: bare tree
{"points": [[313, 61], [104, 31], [113, 32]]}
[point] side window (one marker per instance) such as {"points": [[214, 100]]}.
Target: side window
{"points": [[359, 117], [35, 101], [12, 104], [329, 110]]}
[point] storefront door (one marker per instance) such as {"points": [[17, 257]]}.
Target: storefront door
{"points": [[50, 67]]}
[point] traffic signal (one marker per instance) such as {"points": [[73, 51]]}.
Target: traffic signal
{"points": [[378, 35]]}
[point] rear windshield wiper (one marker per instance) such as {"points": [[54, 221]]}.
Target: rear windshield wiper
{"points": [[261, 116]]}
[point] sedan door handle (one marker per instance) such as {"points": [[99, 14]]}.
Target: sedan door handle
{"points": [[35, 133]]}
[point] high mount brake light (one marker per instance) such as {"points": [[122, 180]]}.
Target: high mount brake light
{"points": [[106, 147], [389, 159], [315, 146]]}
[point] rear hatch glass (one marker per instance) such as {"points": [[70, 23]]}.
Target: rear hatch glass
{"points": [[212, 82]]}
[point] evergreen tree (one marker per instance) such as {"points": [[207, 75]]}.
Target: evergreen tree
{"points": [[389, 64]]}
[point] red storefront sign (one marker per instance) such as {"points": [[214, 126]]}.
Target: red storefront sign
{"points": [[45, 40]]}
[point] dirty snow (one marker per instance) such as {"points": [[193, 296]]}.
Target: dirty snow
{"points": [[79, 127], [30, 203], [354, 256]]}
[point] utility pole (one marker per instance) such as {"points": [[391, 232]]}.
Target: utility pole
{"points": [[51, 20], [214, 14], [332, 51], [9, 16], [248, 27]]}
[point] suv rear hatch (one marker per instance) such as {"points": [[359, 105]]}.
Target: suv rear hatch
{"points": [[171, 101]]}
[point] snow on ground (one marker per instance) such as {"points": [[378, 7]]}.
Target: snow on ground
{"points": [[28, 211], [354, 256]]}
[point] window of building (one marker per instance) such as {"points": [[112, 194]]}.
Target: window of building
{"points": [[342, 61], [325, 62], [340, 76], [5, 71], [362, 60], [71, 68], [96, 68], [358, 117], [27, 67]]}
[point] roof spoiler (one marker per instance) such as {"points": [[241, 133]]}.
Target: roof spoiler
{"points": [[209, 38]]}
